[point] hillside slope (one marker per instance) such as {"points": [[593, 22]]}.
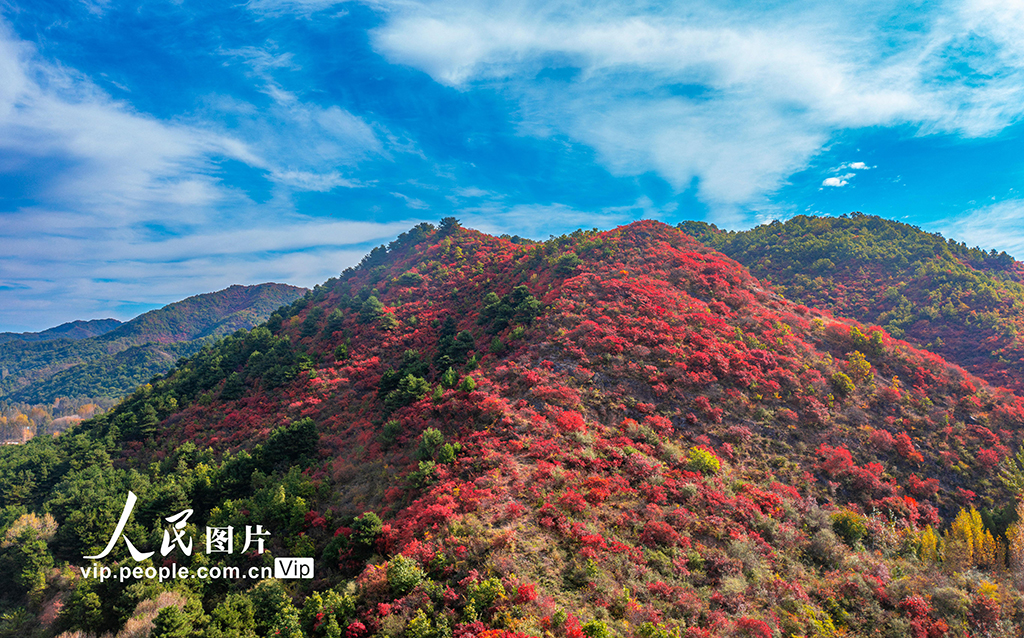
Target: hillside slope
{"points": [[962, 303], [619, 433]]}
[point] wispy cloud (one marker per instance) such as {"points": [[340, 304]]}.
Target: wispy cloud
{"points": [[76, 269], [138, 211], [999, 225], [412, 202], [857, 166], [538, 221], [731, 101]]}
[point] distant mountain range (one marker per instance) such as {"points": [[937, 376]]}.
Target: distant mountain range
{"points": [[71, 330], [107, 358]]}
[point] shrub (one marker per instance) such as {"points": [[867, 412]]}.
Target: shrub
{"points": [[849, 526], [291, 444], [431, 441], [842, 384], [403, 575], [753, 628], [366, 529], [449, 379], [703, 461], [858, 366], [390, 433], [596, 629], [171, 622], [410, 279], [882, 440], [657, 534], [387, 321], [341, 352]]}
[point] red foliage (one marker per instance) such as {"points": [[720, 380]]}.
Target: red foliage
{"points": [[573, 502], [988, 458], [656, 533], [836, 462], [754, 628], [882, 440], [905, 448], [577, 430], [984, 613], [922, 488], [569, 421]]}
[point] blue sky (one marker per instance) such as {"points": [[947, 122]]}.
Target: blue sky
{"points": [[154, 150]]}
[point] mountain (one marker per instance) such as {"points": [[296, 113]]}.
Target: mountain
{"points": [[208, 315], [116, 361], [609, 433], [962, 303], [71, 330]]}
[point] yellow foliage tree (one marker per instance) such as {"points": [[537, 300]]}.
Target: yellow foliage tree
{"points": [[958, 542], [858, 367], [1015, 543], [986, 551], [930, 545], [88, 410], [968, 544], [38, 415]]}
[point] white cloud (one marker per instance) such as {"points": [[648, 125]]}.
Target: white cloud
{"points": [[136, 198], [76, 269], [538, 221], [999, 225], [731, 100], [295, 7], [309, 181], [857, 166], [834, 181], [412, 202], [307, 141], [124, 162]]}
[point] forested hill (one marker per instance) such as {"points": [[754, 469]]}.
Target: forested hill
{"points": [[963, 303], [608, 433], [117, 361], [212, 314], [71, 330]]}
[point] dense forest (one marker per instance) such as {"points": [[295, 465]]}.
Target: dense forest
{"points": [[608, 433], [963, 303]]}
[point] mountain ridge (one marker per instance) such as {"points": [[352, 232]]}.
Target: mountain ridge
{"points": [[608, 433], [116, 361], [78, 329]]}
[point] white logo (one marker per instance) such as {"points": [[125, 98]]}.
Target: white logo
{"points": [[219, 540]]}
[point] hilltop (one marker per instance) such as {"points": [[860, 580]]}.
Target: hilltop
{"points": [[963, 303], [608, 433]]}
